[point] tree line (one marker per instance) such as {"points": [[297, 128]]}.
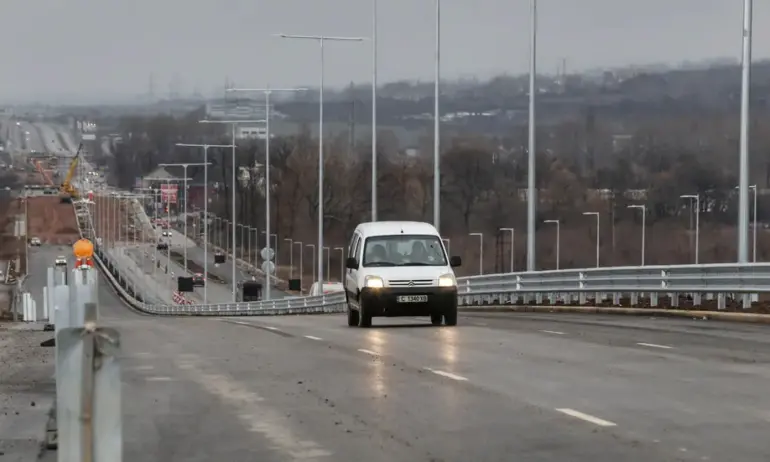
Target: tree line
{"points": [[581, 167]]}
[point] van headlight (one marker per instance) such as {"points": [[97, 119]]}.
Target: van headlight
{"points": [[447, 280], [374, 282]]}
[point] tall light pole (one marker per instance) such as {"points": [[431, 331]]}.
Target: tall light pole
{"points": [[314, 263], [184, 166], [321, 39], [696, 198], [436, 125], [301, 262], [267, 92], [233, 123], [481, 251], [558, 240], [598, 229], [342, 262], [531, 191], [374, 110], [754, 232], [328, 262], [206, 212], [291, 257], [643, 208], [743, 189], [513, 242]]}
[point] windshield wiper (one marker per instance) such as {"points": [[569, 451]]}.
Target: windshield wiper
{"points": [[417, 264], [381, 263]]}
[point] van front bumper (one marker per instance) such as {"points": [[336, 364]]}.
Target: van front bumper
{"points": [[385, 301]]}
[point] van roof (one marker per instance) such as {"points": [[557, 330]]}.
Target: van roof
{"points": [[387, 228]]}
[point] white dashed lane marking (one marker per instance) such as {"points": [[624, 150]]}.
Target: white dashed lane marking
{"points": [[158, 379], [586, 417], [313, 337], [654, 345], [448, 375], [554, 332], [369, 352]]}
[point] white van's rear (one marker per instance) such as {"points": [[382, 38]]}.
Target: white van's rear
{"points": [[399, 268]]}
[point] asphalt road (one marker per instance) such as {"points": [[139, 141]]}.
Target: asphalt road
{"points": [[40, 259], [495, 388]]}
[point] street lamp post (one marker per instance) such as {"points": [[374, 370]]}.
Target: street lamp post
{"points": [[314, 262], [598, 229], [233, 123], [291, 257], [696, 198], [301, 260], [743, 190], [342, 263], [184, 166], [321, 39], [481, 251], [558, 240], [328, 262], [374, 111], [513, 242], [754, 237], [643, 208], [206, 213], [436, 124], [531, 191], [267, 91]]}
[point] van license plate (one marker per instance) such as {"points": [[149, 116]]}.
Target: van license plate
{"points": [[412, 298]]}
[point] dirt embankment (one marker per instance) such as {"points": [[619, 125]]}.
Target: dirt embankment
{"points": [[52, 221], [11, 246]]}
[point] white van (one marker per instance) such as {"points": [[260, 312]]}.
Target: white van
{"points": [[399, 268]]}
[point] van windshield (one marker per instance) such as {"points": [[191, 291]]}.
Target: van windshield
{"points": [[404, 250]]}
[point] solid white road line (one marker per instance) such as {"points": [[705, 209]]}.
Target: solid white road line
{"points": [[270, 328], [654, 345], [158, 379], [313, 338], [449, 375], [586, 417], [554, 332], [369, 352]]}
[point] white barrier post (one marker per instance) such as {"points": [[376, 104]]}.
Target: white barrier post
{"points": [[46, 314]]}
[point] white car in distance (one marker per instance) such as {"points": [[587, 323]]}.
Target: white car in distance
{"points": [[61, 260]]}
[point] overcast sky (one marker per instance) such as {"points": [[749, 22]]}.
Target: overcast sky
{"points": [[102, 47]]}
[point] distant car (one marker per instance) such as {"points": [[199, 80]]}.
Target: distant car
{"points": [[35, 242], [60, 261], [162, 245], [166, 234], [198, 280]]}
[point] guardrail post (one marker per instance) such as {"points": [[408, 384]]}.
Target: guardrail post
{"points": [[89, 394], [721, 302], [634, 298], [674, 299]]}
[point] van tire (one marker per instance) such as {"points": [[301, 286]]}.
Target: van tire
{"points": [[436, 319], [364, 316], [352, 317], [450, 317]]}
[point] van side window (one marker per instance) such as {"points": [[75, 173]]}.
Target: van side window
{"points": [[357, 248], [353, 244]]}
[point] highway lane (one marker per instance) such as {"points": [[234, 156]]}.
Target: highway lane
{"points": [[35, 139], [40, 259], [50, 138], [310, 388]]}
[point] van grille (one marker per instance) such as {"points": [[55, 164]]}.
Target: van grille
{"points": [[410, 282]]}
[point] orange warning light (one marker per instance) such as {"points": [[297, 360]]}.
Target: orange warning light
{"points": [[83, 249]]}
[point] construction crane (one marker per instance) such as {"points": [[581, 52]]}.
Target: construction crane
{"points": [[67, 192]]}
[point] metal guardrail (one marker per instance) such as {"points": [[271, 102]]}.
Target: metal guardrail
{"points": [[86, 423], [721, 283]]}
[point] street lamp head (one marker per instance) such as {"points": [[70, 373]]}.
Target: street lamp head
{"points": [[590, 213], [689, 196]]}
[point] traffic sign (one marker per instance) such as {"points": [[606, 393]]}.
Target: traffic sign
{"points": [[268, 267], [267, 253]]}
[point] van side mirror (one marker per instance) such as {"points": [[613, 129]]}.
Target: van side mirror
{"points": [[351, 263], [455, 261]]}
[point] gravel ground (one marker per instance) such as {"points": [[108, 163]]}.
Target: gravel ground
{"points": [[27, 389]]}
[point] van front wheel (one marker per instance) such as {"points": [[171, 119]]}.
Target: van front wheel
{"points": [[450, 317], [364, 315]]}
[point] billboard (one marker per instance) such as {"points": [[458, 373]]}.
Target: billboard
{"points": [[168, 193]]}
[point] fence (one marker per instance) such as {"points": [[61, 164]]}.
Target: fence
{"points": [[87, 420], [674, 285]]}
